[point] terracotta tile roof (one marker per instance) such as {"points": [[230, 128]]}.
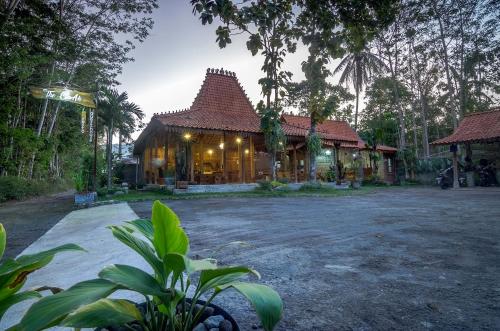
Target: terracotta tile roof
{"points": [[387, 149], [221, 104], [475, 127], [329, 130]]}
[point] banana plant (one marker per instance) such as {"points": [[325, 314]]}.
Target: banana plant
{"points": [[164, 245], [14, 273]]}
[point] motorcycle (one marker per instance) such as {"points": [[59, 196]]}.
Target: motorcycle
{"points": [[486, 172], [445, 178]]}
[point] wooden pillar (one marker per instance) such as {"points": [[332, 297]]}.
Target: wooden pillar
{"points": [[224, 154], [154, 167], [144, 166], [244, 159], [454, 149], [202, 158], [191, 161], [252, 165], [166, 155], [306, 165], [337, 163], [240, 163], [141, 167], [150, 165], [295, 164]]}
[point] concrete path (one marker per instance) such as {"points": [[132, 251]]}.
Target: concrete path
{"points": [[87, 228]]}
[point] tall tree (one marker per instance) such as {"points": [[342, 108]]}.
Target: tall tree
{"points": [[118, 116], [71, 43], [269, 27], [357, 68], [319, 104]]}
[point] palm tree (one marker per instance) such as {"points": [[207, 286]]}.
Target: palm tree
{"points": [[357, 68], [118, 116]]}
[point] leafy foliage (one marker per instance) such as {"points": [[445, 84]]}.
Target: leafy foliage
{"points": [[82, 44], [164, 245], [14, 273]]}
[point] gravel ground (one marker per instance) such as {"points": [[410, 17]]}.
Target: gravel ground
{"points": [[406, 259], [26, 221]]}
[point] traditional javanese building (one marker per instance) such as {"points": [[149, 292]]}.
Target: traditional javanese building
{"points": [[218, 140]]}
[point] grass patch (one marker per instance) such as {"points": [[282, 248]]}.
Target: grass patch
{"points": [[133, 195]]}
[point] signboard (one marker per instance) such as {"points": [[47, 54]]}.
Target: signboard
{"points": [[64, 94]]}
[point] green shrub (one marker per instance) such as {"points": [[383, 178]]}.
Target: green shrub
{"points": [[102, 192], [16, 188], [266, 185], [79, 182], [308, 187], [13, 188], [373, 180], [284, 180], [160, 190], [331, 175]]}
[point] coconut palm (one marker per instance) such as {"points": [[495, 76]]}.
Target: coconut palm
{"points": [[357, 68], [118, 116]]}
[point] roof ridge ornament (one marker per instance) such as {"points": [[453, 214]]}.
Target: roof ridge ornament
{"points": [[222, 72]]}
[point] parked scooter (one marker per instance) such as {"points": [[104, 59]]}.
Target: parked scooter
{"points": [[486, 172], [445, 178]]}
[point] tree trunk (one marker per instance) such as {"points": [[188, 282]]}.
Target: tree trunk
{"points": [[41, 122], [120, 145], [402, 134], [451, 92], [356, 112], [110, 155], [425, 127], [423, 109], [54, 118]]}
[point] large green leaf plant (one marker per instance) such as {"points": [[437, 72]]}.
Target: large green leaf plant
{"points": [[164, 245], [14, 273]]}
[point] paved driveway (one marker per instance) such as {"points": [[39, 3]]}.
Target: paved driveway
{"points": [[395, 259]]}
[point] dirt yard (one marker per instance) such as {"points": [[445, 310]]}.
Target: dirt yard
{"points": [[406, 259]]}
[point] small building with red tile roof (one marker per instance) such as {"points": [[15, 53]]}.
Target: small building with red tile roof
{"points": [[481, 130], [481, 127], [351, 144], [218, 140]]}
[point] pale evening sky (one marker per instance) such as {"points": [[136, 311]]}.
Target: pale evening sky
{"points": [[170, 65]]}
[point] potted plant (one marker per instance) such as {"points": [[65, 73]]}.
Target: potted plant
{"points": [[82, 195], [14, 273], [330, 174], [165, 247]]}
